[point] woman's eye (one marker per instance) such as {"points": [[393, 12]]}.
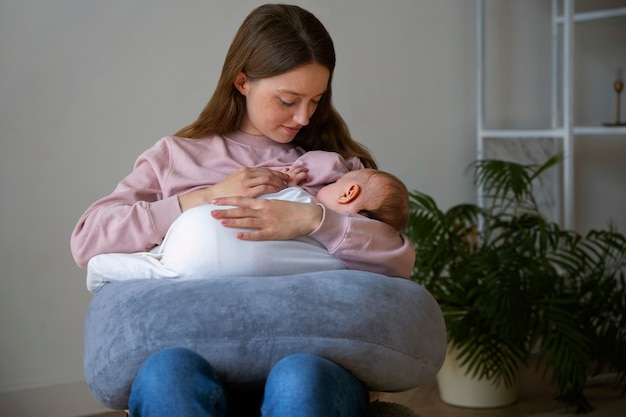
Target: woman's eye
{"points": [[286, 103]]}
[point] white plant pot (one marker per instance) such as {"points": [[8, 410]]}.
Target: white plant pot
{"points": [[458, 388]]}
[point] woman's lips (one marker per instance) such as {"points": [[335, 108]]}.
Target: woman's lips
{"points": [[291, 130]]}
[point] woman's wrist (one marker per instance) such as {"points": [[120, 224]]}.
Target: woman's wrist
{"points": [[194, 199], [317, 215]]}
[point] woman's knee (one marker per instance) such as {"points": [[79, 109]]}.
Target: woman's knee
{"points": [[175, 363], [303, 369], [176, 374], [314, 383]]}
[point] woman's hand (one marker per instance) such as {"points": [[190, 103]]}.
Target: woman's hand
{"points": [[272, 219], [245, 182], [297, 175]]}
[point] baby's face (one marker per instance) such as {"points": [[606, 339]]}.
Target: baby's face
{"points": [[327, 196], [330, 195]]}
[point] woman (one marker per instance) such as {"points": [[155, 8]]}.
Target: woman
{"points": [[271, 105]]}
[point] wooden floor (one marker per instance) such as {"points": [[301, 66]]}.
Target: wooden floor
{"points": [[536, 399]]}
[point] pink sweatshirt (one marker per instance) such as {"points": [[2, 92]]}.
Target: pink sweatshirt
{"points": [[137, 214]]}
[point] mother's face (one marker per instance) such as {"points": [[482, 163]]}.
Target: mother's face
{"points": [[278, 107]]}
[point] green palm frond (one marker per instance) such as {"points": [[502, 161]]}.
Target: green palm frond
{"points": [[510, 281], [509, 183]]}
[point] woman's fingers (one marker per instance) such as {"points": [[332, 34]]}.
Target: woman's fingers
{"points": [[297, 175], [246, 182], [257, 181], [270, 219]]}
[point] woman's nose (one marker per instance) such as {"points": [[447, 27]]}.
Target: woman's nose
{"points": [[302, 115]]}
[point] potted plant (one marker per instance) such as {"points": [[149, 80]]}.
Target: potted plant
{"points": [[512, 284]]}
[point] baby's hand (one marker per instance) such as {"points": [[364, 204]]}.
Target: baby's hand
{"points": [[297, 175]]}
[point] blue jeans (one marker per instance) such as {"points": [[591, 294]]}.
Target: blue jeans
{"points": [[179, 382]]}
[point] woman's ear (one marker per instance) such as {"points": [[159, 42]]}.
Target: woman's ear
{"points": [[349, 194], [241, 83]]}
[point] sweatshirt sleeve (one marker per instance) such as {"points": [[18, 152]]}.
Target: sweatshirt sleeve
{"points": [[365, 244], [325, 168], [134, 217]]}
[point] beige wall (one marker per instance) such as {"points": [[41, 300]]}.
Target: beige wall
{"points": [[85, 86]]}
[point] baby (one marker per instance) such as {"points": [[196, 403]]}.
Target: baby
{"points": [[369, 192], [196, 246]]}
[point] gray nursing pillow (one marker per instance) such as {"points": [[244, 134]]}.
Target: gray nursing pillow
{"points": [[389, 332]]}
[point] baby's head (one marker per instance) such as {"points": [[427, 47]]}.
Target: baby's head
{"points": [[371, 193]]}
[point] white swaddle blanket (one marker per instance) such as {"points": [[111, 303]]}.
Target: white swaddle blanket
{"points": [[196, 246]]}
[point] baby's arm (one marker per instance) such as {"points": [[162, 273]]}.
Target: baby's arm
{"points": [[324, 168]]}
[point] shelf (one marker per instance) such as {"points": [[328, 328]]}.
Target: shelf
{"points": [[562, 38], [522, 133], [599, 130], [595, 15], [551, 133]]}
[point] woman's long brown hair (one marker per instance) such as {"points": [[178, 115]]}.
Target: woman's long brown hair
{"points": [[272, 40]]}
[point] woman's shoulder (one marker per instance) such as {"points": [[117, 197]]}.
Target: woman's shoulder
{"points": [[187, 142], [168, 148], [175, 143]]}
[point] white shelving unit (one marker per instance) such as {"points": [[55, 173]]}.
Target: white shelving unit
{"points": [[562, 94]]}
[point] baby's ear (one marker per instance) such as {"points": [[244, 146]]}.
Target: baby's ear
{"points": [[349, 194]]}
